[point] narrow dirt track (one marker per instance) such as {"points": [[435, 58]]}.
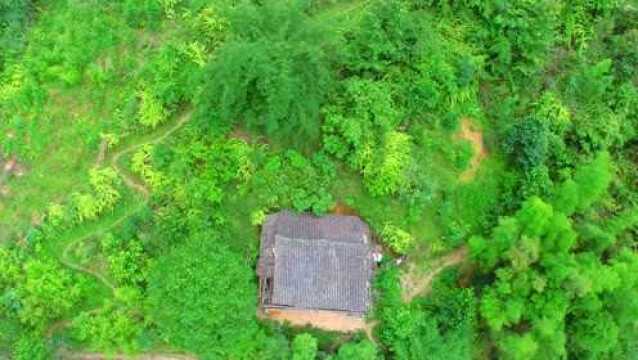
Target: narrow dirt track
{"points": [[135, 185], [415, 282]]}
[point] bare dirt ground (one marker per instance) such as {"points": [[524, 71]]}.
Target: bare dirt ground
{"points": [[322, 319], [416, 282], [470, 133], [343, 209], [67, 355]]}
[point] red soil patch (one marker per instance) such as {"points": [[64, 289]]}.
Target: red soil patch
{"points": [[343, 209], [322, 319], [475, 136]]}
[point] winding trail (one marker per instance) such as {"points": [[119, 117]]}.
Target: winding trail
{"points": [[132, 183], [415, 283], [128, 179]]}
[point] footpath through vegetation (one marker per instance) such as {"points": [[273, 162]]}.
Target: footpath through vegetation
{"points": [[492, 144]]}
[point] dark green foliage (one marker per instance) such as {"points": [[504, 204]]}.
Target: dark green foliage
{"points": [[293, 180], [203, 299], [273, 74], [387, 37], [14, 17], [516, 36], [142, 13], [528, 142]]}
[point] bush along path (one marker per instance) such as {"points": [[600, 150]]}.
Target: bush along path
{"points": [[132, 183]]}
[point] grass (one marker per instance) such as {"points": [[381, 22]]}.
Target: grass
{"points": [[88, 90]]}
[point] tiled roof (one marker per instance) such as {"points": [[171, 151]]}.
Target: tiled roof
{"points": [[316, 262]]}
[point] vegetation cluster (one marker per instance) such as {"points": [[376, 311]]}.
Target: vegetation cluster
{"points": [[158, 134]]}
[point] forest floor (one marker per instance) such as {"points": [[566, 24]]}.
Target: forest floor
{"points": [[415, 281], [470, 133]]}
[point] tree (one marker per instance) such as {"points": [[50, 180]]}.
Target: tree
{"points": [[550, 293], [589, 184], [202, 297], [273, 74]]}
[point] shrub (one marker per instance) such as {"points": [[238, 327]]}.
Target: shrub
{"points": [[30, 347], [304, 347], [216, 296], [112, 329], [151, 111], [396, 238], [388, 173]]}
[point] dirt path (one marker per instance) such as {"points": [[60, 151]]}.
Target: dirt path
{"points": [[131, 181], [475, 137], [66, 259], [137, 186], [68, 355], [415, 282]]}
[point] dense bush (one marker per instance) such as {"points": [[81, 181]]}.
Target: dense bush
{"points": [[276, 57], [202, 298]]}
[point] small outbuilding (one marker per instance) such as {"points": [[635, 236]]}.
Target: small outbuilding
{"points": [[316, 263]]}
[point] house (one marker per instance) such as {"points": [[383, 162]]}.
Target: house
{"points": [[316, 264]]}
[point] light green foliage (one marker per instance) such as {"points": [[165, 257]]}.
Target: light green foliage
{"points": [[387, 173], [45, 292], [589, 184], [541, 281], [151, 112], [361, 132], [126, 258], [370, 95], [304, 347], [104, 183], [397, 239], [140, 164]]}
